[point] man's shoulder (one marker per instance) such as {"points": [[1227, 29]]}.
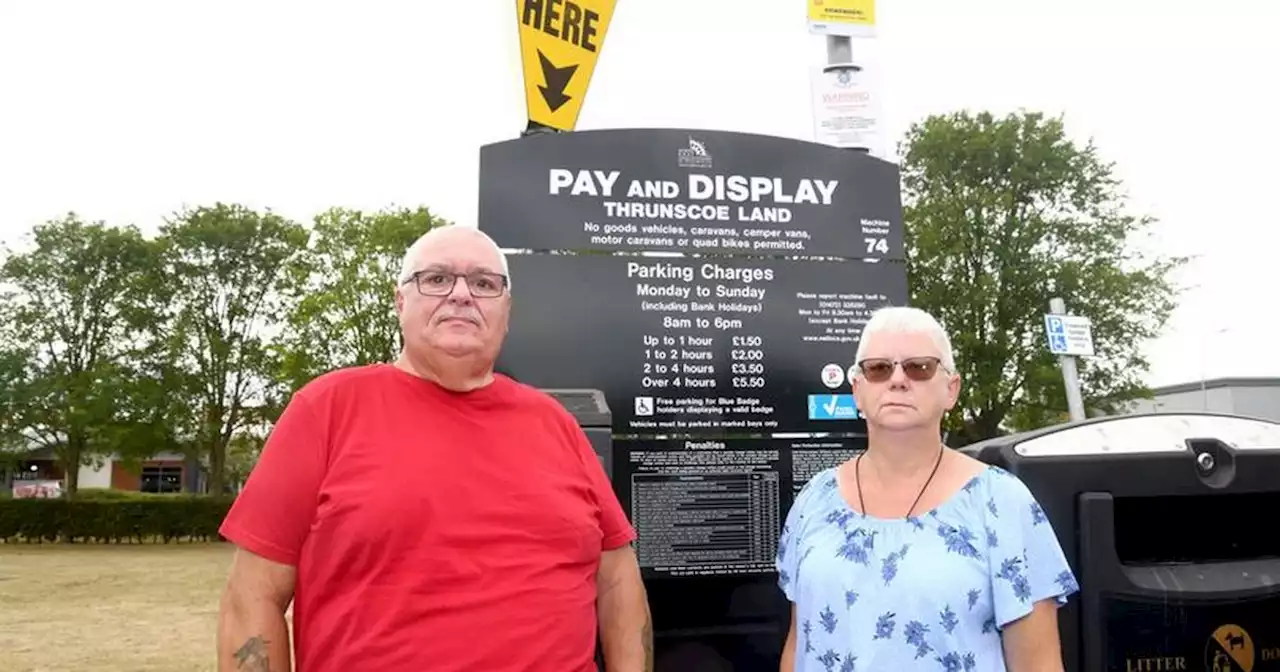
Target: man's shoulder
{"points": [[344, 380], [534, 398]]}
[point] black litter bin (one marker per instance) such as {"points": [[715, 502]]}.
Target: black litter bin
{"points": [[1172, 525]]}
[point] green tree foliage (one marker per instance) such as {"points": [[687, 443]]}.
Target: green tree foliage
{"points": [[1002, 215], [224, 271], [342, 291], [14, 365], [112, 344], [14, 369], [72, 325]]}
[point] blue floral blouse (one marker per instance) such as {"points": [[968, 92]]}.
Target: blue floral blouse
{"points": [[929, 593]]}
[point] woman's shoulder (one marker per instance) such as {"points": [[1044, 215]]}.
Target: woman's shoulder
{"points": [[818, 489], [1000, 496], [813, 501], [1003, 484]]}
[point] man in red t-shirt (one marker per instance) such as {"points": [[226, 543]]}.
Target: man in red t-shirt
{"points": [[431, 515]]}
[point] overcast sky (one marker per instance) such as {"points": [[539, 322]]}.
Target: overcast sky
{"points": [[126, 110]]}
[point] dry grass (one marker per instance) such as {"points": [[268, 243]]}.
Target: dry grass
{"points": [[140, 608]]}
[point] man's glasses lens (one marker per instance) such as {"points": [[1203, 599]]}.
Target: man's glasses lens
{"points": [[918, 369], [440, 283]]}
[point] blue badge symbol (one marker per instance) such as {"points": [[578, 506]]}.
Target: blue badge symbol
{"points": [[1057, 332], [832, 407]]}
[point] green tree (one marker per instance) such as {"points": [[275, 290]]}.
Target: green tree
{"points": [[13, 374], [342, 291], [13, 445], [73, 328], [162, 403], [224, 272], [14, 366], [1002, 215]]}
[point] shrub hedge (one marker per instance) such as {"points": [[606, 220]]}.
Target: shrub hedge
{"points": [[113, 517]]}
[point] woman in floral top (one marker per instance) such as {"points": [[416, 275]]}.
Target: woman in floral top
{"points": [[913, 556]]}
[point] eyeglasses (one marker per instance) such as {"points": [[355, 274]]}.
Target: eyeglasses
{"points": [[919, 369], [482, 284]]}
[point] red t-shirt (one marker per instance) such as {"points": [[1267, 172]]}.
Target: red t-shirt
{"points": [[432, 530]]}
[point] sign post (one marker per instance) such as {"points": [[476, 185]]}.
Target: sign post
{"points": [[560, 42], [712, 287], [1069, 336]]}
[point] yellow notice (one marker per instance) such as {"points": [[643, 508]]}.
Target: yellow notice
{"points": [[560, 41], [843, 17]]}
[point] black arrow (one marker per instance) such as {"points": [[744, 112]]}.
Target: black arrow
{"points": [[556, 79]]}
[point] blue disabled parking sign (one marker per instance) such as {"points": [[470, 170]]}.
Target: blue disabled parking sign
{"points": [[1069, 335]]}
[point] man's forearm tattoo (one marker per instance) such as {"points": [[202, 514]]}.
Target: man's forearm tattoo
{"points": [[252, 656]]}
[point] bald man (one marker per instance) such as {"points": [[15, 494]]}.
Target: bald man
{"points": [[429, 514]]}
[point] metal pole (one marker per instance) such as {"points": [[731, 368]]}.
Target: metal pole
{"points": [[839, 50], [1070, 378]]}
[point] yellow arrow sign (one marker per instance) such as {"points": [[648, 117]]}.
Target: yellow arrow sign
{"points": [[560, 41]]}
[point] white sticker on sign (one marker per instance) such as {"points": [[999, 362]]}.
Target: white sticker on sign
{"points": [[832, 375]]}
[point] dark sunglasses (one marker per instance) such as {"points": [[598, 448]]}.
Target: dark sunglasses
{"points": [[918, 369]]}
